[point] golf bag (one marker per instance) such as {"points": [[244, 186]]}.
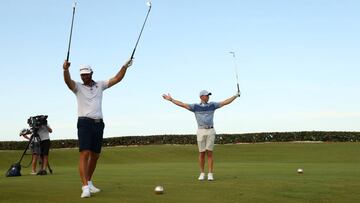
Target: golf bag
{"points": [[14, 170]]}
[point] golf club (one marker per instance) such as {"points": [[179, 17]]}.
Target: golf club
{"points": [[236, 72], [71, 29], [149, 5]]}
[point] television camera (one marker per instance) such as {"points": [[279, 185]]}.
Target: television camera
{"points": [[35, 122]]}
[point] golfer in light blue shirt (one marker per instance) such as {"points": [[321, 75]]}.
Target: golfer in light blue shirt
{"points": [[204, 114]]}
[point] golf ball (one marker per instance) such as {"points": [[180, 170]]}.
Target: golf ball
{"points": [[300, 170], [159, 189]]}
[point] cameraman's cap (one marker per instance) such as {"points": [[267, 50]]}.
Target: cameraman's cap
{"points": [[204, 93], [85, 69]]}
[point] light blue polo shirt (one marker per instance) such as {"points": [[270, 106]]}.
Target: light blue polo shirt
{"points": [[204, 113]]}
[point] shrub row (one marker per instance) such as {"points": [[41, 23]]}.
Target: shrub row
{"points": [[324, 136]]}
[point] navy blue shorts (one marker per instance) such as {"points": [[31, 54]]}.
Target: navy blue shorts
{"points": [[44, 147], [90, 134]]}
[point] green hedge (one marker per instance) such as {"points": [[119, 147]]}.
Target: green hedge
{"points": [[324, 136]]}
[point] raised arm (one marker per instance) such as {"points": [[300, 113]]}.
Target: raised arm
{"points": [[229, 100], [67, 78], [120, 75], [176, 102]]}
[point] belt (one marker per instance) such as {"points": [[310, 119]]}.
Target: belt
{"points": [[99, 120], [206, 127]]}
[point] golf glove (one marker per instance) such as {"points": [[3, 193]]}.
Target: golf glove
{"points": [[130, 64], [237, 94]]}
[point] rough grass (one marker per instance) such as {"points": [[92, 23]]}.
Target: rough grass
{"points": [[244, 173]]}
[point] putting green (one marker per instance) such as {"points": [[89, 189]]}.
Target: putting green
{"points": [[243, 173]]}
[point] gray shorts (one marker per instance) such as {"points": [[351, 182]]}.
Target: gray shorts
{"points": [[35, 147], [205, 139]]}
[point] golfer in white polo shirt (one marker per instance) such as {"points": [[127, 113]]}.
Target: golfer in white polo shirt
{"points": [[90, 123], [204, 114]]}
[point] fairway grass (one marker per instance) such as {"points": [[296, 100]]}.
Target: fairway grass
{"points": [[243, 173]]}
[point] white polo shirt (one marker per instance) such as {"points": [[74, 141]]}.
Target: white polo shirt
{"points": [[43, 132], [89, 99]]}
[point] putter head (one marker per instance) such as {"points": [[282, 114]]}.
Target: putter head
{"points": [[232, 53]]}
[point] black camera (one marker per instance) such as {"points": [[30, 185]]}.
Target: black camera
{"points": [[35, 122]]}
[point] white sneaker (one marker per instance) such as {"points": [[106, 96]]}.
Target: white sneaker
{"points": [[201, 176], [92, 188], [210, 177], [85, 192]]}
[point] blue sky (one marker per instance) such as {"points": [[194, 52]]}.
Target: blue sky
{"points": [[298, 64]]}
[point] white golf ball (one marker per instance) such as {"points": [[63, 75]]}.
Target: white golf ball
{"points": [[159, 189], [300, 170]]}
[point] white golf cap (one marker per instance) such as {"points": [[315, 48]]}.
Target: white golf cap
{"points": [[204, 93], [85, 69]]}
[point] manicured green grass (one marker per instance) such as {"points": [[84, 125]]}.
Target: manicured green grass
{"points": [[243, 173]]}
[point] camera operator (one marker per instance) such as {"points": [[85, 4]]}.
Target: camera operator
{"points": [[35, 148], [43, 133]]}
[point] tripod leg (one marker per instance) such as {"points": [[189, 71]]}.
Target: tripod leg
{"points": [[27, 147], [50, 170]]}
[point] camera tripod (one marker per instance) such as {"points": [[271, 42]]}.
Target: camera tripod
{"points": [[15, 168]]}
